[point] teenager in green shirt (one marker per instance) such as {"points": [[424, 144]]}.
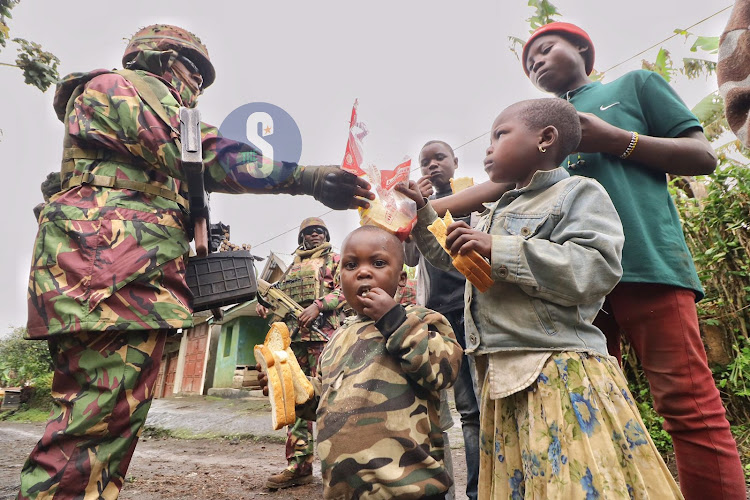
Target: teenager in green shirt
{"points": [[635, 131]]}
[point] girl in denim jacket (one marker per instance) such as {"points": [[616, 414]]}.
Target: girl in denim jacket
{"points": [[557, 419]]}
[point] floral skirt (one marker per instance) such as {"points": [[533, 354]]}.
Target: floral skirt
{"points": [[575, 433]]}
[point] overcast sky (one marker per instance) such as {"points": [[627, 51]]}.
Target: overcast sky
{"points": [[421, 70]]}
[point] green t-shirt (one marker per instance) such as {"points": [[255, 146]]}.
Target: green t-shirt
{"points": [[655, 250]]}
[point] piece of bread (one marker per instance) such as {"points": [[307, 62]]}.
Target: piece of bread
{"points": [[267, 362], [287, 384], [467, 265], [303, 389], [472, 265], [278, 338], [461, 183], [285, 375]]}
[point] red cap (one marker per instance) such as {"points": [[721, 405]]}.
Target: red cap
{"points": [[565, 29]]}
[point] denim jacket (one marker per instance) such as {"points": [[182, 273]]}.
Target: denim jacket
{"points": [[556, 251]]}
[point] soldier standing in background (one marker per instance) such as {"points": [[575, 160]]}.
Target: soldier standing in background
{"points": [[310, 281], [107, 277]]}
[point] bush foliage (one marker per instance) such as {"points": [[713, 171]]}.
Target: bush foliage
{"points": [[716, 229], [23, 361]]}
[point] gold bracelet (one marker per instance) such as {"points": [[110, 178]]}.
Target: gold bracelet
{"points": [[631, 146]]}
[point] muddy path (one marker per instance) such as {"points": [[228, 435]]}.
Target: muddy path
{"points": [[164, 468]]}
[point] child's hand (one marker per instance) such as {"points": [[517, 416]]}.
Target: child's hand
{"points": [[596, 135], [376, 303], [425, 186], [462, 238], [412, 192], [262, 380]]}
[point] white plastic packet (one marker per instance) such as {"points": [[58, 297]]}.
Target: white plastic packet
{"points": [[391, 210]]}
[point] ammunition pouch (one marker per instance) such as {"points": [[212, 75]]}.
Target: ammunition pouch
{"points": [[301, 288]]}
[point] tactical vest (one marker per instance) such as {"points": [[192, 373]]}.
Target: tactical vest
{"points": [[147, 91], [303, 282]]}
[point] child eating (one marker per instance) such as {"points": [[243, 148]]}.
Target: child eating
{"points": [[557, 420], [378, 384]]}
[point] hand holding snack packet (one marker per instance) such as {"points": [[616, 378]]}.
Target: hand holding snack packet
{"points": [[468, 247], [392, 210]]}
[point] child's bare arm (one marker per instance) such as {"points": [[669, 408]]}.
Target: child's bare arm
{"points": [[689, 154], [464, 202], [470, 199]]}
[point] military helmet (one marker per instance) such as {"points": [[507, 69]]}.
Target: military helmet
{"points": [[164, 37], [312, 222]]}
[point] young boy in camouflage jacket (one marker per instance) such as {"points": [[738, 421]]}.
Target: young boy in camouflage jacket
{"points": [[377, 392]]}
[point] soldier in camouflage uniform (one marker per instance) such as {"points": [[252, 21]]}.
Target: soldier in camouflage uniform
{"points": [[379, 381], [311, 282], [107, 277], [733, 69]]}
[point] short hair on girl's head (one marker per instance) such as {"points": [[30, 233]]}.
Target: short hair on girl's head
{"points": [[437, 141], [540, 113]]}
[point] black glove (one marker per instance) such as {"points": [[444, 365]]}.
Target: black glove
{"points": [[331, 186]]}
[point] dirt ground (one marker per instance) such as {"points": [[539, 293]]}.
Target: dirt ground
{"points": [[184, 468]]}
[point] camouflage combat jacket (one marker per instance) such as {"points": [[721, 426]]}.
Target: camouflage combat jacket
{"points": [[312, 277], [109, 259], [378, 395]]}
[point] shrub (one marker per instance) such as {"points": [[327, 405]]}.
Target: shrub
{"points": [[23, 361]]}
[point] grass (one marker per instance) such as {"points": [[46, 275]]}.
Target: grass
{"points": [[741, 434], [25, 415], [161, 433]]}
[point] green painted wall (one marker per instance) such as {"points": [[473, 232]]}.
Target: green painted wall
{"points": [[238, 337]]}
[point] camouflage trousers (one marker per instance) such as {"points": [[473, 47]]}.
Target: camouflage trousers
{"points": [[299, 442], [102, 387]]}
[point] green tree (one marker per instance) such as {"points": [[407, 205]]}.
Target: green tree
{"points": [[38, 66], [23, 361]]}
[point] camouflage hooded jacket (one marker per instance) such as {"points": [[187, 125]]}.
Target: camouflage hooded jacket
{"points": [[378, 397], [109, 259]]}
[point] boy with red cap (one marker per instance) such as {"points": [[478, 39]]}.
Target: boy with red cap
{"points": [[635, 131]]}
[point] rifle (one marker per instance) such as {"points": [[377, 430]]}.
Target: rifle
{"points": [[215, 279], [192, 163], [284, 306]]}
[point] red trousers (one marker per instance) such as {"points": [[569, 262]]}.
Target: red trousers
{"points": [[661, 324]]}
